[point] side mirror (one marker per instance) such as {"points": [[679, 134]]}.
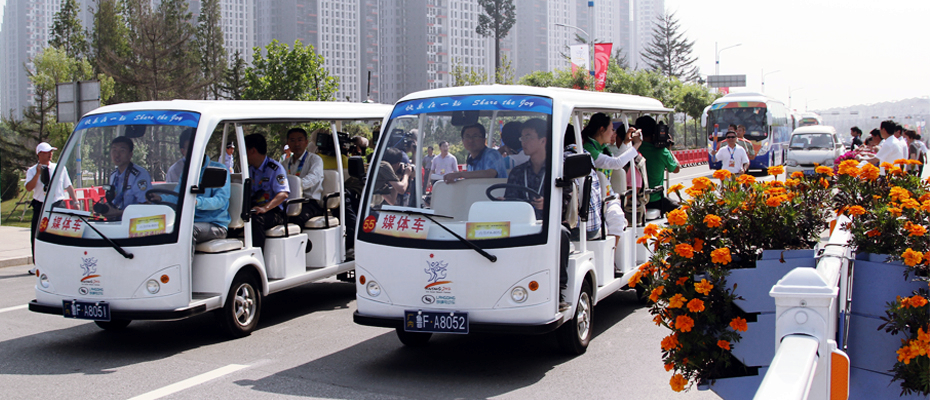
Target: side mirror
{"points": [[213, 177], [577, 166], [357, 167]]}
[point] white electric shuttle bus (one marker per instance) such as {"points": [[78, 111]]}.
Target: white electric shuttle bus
{"points": [[115, 254], [467, 255]]}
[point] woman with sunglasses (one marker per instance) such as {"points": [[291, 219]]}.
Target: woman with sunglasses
{"points": [[733, 158]]}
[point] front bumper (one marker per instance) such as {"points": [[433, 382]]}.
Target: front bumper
{"points": [[136, 315], [473, 327]]}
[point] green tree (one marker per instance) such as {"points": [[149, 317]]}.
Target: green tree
{"points": [[110, 45], [496, 20], [621, 59], [233, 83], [288, 74], [693, 98], [212, 52], [67, 32], [670, 51]]}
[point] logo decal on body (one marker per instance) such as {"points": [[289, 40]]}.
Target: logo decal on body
{"points": [[437, 271], [428, 299], [90, 281]]}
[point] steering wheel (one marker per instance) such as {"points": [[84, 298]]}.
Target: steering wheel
{"points": [[509, 186], [173, 206]]}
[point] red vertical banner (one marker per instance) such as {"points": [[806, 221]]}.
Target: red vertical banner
{"points": [[601, 60]]}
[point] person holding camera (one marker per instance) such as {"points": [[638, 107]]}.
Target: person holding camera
{"points": [[394, 176], [658, 160], [37, 179]]}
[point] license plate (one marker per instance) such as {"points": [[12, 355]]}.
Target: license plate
{"points": [[86, 310], [439, 322], [808, 172]]}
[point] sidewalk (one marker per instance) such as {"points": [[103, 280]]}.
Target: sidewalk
{"points": [[14, 247]]}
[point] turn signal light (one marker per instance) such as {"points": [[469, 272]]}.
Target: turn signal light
{"points": [[164, 279], [361, 279], [534, 285]]}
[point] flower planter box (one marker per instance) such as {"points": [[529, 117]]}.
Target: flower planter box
{"points": [[869, 385], [876, 283]]}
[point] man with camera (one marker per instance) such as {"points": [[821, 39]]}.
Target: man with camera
{"points": [[655, 149], [394, 176], [37, 179]]}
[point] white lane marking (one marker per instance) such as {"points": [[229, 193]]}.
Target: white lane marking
{"points": [[189, 383], [14, 308]]}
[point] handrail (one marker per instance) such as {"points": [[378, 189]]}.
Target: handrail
{"points": [[792, 370]]}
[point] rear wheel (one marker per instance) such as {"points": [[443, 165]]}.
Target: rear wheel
{"points": [[243, 306], [113, 324], [575, 335], [413, 339]]}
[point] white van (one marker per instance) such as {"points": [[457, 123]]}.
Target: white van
{"points": [[114, 256], [457, 259], [811, 146]]}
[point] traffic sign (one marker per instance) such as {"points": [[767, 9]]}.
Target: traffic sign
{"points": [[716, 81]]}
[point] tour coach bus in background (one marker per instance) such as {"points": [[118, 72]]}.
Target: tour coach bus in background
{"points": [[128, 254], [482, 250], [767, 121]]}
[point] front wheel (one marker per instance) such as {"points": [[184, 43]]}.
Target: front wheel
{"points": [[575, 335], [243, 306], [113, 325], [413, 339]]}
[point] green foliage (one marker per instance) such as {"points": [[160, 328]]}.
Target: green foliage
{"points": [[670, 51], [109, 45], [67, 32], [233, 83], [495, 21], [462, 76], [288, 74], [911, 316], [212, 53]]}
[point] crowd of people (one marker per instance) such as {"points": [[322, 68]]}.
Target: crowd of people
{"points": [[887, 143]]}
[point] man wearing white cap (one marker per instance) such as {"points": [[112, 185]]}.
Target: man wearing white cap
{"points": [[37, 180]]}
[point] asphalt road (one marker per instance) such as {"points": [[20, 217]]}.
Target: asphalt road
{"points": [[307, 346]]}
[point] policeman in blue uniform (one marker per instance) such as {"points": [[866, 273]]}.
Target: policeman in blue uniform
{"points": [[269, 188], [129, 181]]}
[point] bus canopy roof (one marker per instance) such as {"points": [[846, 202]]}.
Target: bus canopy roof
{"points": [[262, 110], [574, 99]]}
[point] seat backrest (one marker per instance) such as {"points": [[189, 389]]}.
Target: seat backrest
{"points": [[235, 205], [330, 185], [293, 182], [455, 199], [515, 212]]}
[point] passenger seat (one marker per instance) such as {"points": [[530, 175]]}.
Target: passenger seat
{"points": [[235, 214]]}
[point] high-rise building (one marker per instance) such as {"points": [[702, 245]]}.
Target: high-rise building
{"points": [[646, 14], [238, 21], [27, 26]]}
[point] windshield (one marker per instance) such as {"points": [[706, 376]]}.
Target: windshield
{"points": [[106, 172], [811, 141], [441, 155], [753, 118]]}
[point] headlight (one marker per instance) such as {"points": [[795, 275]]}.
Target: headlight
{"points": [[152, 286], [43, 280], [791, 163], [373, 288], [518, 294], [828, 162]]}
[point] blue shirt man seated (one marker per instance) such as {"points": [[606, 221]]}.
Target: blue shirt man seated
{"points": [[129, 182], [482, 161], [211, 214], [269, 188]]}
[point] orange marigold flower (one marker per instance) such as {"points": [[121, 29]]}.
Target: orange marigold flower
{"points": [[696, 305], [916, 230], [703, 287], [775, 201], [910, 203], [721, 256], [665, 236], [917, 301], [670, 342], [850, 168], [701, 183], [869, 172], [776, 170], [678, 382], [676, 187], [685, 250], [746, 179], [898, 193], [855, 210], [797, 174], [723, 344], [654, 296], [722, 174], [911, 257], [634, 279], [792, 182], [712, 221], [651, 230], [677, 217], [684, 323], [901, 161], [824, 170], [824, 183], [657, 319], [885, 165], [698, 245], [739, 324], [642, 240], [669, 366], [682, 280], [923, 335], [895, 211], [677, 301], [873, 233]]}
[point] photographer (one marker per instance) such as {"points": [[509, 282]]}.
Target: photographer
{"points": [[394, 176], [655, 149], [37, 180]]}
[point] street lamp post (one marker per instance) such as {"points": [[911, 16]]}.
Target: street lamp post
{"points": [[590, 45], [764, 75], [790, 91], [717, 56]]}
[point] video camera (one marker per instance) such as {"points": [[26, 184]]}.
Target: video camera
{"points": [[663, 139], [401, 140], [325, 144]]}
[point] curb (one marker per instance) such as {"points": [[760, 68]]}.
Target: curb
{"points": [[16, 261]]}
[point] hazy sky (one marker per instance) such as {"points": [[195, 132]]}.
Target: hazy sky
{"points": [[830, 53]]}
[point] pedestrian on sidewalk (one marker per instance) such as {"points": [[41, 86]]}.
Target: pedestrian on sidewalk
{"points": [[37, 181]]}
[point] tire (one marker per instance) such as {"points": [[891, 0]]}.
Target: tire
{"points": [[243, 306], [114, 324], [413, 339], [575, 334]]}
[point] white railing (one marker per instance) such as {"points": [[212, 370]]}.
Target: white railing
{"points": [[807, 304]]}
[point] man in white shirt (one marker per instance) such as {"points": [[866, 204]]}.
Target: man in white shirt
{"points": [[733, 158], [444, 163], [309, 167], [889, 149], [37, 180]]}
